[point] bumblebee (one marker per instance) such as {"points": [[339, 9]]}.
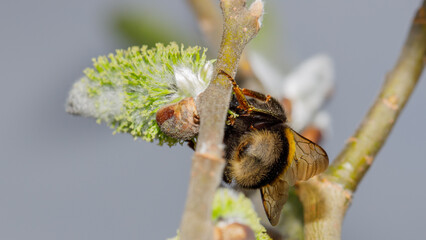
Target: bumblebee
{"points": [[263, 152]]}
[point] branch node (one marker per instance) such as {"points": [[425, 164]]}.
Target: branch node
{"points": [[210, 157], [369, 159], [391, 102]]}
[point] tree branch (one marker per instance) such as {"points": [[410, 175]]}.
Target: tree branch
{"points": [[359, 153], [240, 26], [327, 197]]}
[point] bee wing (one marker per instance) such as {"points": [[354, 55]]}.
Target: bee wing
{"points": [[309, 158], [306, 159], [274, 196]]}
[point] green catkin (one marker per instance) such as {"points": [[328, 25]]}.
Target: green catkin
{"points": [[126, 89]]}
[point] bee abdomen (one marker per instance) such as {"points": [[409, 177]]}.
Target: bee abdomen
{"points": [[258, 159]]}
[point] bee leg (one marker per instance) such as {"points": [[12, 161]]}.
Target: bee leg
{"points": [[244, 104], [256, 95]]}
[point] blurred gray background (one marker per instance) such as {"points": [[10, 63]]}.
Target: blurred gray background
{"points": [[65, 177]]}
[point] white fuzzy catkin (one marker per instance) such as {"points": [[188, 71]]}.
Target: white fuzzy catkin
{"points": [[103, 106], [190, 83], [308, 87]]}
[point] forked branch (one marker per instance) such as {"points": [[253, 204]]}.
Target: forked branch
{"points": [[211, 25], [209, 21]]}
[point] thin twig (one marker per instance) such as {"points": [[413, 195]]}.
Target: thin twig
{"points": [[210, 25], [240, 26], [327, 197], [209, 21]]}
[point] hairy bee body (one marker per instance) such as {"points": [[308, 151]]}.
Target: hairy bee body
{"points": [[256, 147], [257, 160], [261, 151]]}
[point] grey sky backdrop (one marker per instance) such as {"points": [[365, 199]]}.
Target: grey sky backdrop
{"points": [[65, 177]]}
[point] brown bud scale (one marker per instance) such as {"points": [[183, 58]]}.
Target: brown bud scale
{"points": [[179, 120]]}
